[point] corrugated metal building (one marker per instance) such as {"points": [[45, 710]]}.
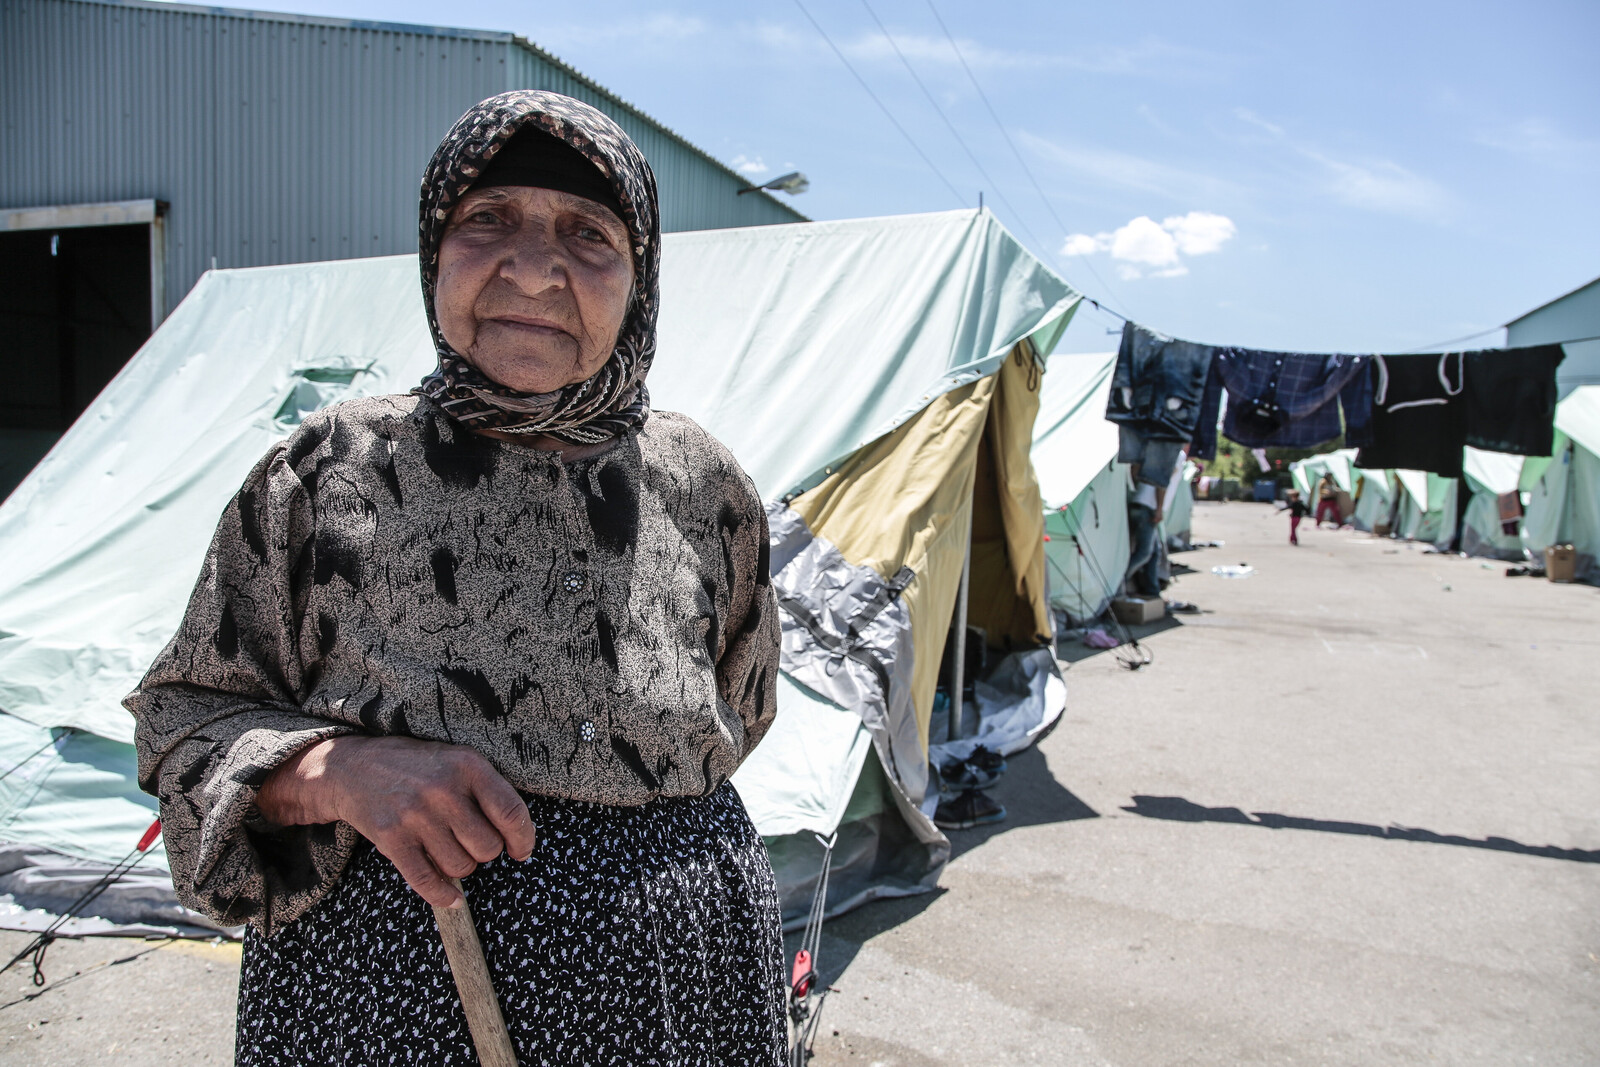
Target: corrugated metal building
{"points": [[142, 143], [1573, 318]]}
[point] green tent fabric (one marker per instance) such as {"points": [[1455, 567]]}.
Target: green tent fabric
{"points": [[1564, 488], [1373, 495], [1083, 488], [1427, 508], [795, 345], [1179, 509], [1309, 472], [1487, 475]]}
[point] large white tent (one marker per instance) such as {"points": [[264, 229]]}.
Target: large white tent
{"points": [[804, 348]]}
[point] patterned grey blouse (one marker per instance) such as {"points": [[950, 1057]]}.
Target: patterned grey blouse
{"points": [[603, 630]]}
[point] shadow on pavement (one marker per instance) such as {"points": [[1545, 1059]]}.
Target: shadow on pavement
{"points": [[1032, 797], [1177, 809]]}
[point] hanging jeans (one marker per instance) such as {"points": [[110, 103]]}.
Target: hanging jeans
{"points": [[1144, 561], [1158, 384]]}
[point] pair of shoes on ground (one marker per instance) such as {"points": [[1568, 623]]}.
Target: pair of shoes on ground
{"points": [[969, 809], [980, 770]]}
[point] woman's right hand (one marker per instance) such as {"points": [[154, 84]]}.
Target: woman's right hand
{"points": [[435, 810]]}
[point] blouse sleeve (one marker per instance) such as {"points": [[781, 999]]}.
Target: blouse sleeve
{"points": [[747, 671], [220, 709]]}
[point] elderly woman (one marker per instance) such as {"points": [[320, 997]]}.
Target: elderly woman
{"points": [[514, 626]]}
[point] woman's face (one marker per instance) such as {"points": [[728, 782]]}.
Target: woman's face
{"points": [[533, 285]]}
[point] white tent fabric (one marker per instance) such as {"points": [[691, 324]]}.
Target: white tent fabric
{"points": [[1564, 489], [1083, 487], [792, 344]]}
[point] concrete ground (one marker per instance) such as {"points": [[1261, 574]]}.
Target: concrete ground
{"points": [[1350, 815]]}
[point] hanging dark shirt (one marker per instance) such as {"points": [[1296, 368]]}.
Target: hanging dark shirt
{"points": [[1418, 416], [1291, 399], [1510, 399]]}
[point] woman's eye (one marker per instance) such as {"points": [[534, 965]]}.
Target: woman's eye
{"points": [[483, 217], [592, 233]]}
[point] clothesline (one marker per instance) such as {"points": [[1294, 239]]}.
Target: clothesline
{"points": [[1412, 351], [1414, 411]]}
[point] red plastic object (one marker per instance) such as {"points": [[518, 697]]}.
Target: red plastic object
{"points": [[800, 979], [150, 835], [1047, 537]]}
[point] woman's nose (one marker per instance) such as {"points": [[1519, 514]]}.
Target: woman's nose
{"points": [[534, 260]]}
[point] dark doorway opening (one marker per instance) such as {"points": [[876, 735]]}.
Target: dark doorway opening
{"points": [[74, 306]]}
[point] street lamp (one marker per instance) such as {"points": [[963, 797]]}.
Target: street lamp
{"points": [[793, 183]]}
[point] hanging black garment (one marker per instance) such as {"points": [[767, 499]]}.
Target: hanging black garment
{"points": [[1510, 399], [1418, 414]]}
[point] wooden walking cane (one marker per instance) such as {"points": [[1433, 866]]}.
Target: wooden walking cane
{"points": [[471, 972]]}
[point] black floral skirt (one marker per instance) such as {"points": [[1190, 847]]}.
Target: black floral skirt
{"points": [[646, 935]]}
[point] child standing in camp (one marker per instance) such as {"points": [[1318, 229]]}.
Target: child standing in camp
{"points": [[1297, 510], [1327, 502]]}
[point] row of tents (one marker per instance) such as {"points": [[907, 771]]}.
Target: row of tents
{"points": [[1503, 507], [886, 382]]}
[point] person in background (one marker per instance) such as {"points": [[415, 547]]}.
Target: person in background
{"points": [[1297, 510], [1327, 502]]}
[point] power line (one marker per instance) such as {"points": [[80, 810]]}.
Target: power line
{"points": [[1454, 340], [884, 108], [1492, 329], [951, 126], [1014, 151]]}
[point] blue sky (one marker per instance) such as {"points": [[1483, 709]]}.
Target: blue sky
{"points": [[1353, 176]]}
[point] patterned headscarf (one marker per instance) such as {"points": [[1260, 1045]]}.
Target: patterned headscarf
{"points": [[614, 400]]}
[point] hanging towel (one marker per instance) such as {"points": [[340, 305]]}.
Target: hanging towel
{"points": [[1290, 399], [1418, 416], [1159, 384], [1511, 399]]}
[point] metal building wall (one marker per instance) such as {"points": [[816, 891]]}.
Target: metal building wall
{"points": [[278, 138]]}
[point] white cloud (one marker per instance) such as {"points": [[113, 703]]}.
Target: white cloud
{"points": [[1080, 244], [1143, 240], [1199, 232], [750, 168], [1146, 248]]}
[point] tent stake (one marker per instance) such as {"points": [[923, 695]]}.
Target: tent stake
{"points": [[958, 670]]}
